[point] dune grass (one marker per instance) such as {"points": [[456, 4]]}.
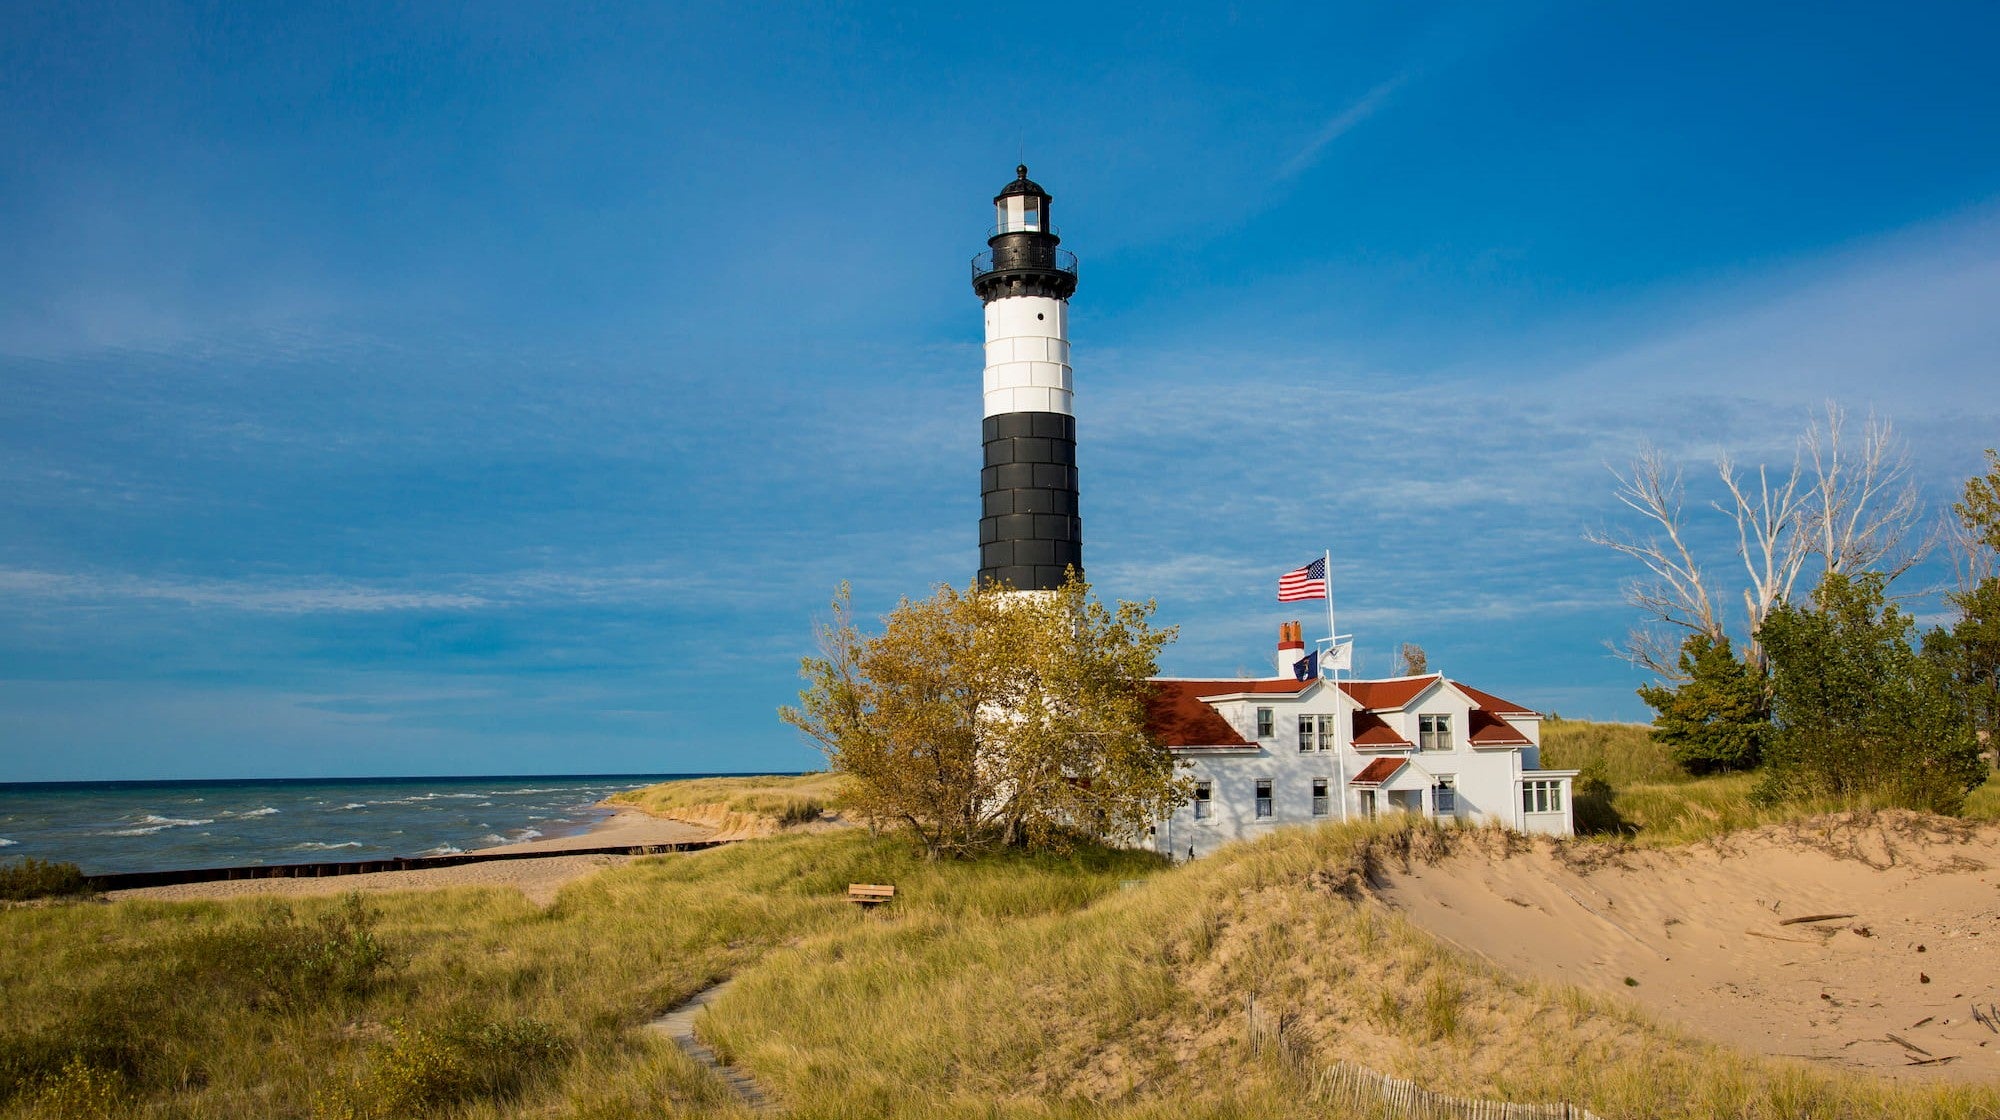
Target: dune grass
{"points": [[749, 805]]}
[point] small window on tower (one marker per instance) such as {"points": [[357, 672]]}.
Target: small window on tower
{"points": [[1031, 213]]}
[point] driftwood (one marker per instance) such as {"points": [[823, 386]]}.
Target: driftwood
{"points": [[1934, 1061], [1989, 1018], [1922, 1021], [1775, 937], [1907, 1044], [1813, 918]]}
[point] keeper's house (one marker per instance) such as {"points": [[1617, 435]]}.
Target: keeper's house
{"points": [[1278, 751]]}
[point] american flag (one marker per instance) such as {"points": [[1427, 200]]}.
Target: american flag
{"points": [[1308, 582]]}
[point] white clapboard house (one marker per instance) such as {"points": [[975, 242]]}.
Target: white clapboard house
{"points": [[1275, 751]]}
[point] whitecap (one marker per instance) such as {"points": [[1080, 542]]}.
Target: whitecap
{"points": [[316, 846], [172, 822], [492, 838], [134, 831], [443, 850], [353, 805], [6, 843], [526, 833], [264, 812]]}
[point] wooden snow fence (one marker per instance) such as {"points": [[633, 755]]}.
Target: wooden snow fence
{"points": [[1350, 1088]]}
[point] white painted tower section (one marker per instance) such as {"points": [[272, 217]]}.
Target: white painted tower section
{"points": [[1027, 356]]}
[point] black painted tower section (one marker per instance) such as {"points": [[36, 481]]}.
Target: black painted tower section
{"points": [[1029, 530]]}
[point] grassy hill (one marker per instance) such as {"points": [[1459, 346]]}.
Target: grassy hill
{"points": [[1652, 801], [1100, 984]]}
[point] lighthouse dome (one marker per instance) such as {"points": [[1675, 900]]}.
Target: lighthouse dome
{"points": [[1021, 185]]}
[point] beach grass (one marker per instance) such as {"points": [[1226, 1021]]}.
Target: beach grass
{"points": [[1095, 984], [739, 806]]}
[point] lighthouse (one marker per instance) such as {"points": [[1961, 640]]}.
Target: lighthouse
{"points": [[1029, 531]]}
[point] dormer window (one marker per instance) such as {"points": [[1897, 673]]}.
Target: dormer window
{"points": [[1434, 732]]}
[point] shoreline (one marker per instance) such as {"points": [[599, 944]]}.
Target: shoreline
{"points": [[539, 879]]}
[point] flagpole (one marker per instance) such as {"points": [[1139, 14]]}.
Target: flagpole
{"points": [[1332, 635]]}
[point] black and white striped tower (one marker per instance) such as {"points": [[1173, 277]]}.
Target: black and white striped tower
{"points": [[1029, 531]]}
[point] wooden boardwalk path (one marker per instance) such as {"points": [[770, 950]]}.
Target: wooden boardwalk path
{"points": [[678, 1025]]}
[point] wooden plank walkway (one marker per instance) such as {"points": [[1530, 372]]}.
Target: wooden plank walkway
{"points": [[678, 1025]]}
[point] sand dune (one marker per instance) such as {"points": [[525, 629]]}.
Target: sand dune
{"points": [[1702, 931]]}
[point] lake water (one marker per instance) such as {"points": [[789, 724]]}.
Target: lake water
{"points": [[149, 826]]}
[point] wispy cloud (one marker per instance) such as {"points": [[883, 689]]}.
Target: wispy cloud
{"points": [[1340, 124]]}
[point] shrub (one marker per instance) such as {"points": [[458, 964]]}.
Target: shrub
{"points": [[35, 878], [423, 1069], [287, 963], [1718, 718]]}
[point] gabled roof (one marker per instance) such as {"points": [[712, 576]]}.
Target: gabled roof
{"points": [[1259, 686], [1177, 717], [1489, 730], [1377, 772], [1371, 730], [1493, 703], [1390, 695]]}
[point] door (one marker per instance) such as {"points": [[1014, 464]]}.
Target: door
{"points": [[1367, 803]]}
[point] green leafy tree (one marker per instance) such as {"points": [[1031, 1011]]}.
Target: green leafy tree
{"points": [[983, 717], [1973, 645], [1719, 716], [1858, 710]]}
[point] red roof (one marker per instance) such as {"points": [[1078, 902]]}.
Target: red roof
{"points": [[1370, 730], [1489, 730], [1493, 703], [1387, 696], [1259, 685], [1377, 772], [1177, 717]]}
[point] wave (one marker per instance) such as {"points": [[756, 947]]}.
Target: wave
{"points": [[353, 805], [492, 838], [264, 812], [525, 834], [316, 846], [442, 850], [173, 822], [6, 843]]}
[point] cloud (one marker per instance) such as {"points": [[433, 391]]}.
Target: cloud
{"points": [[1339, 125]]}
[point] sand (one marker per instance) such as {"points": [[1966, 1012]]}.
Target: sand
{"points": [[539, 879], [1701, 931]]}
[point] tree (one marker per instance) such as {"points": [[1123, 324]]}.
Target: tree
{"points": [[1857, 710], [1973, 644], [1718, 717], [1845, 505], [1411, 661], [984, 717]]}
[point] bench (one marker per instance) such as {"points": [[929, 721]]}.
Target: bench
{"points": [[870, 894]]}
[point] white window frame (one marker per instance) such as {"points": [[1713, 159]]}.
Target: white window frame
{"points": [[1305, 734], [1265, 801], [1204, 800], [1542, 795], [1322, 804], [1434, 731], [1267, 724], [1444, 796]]}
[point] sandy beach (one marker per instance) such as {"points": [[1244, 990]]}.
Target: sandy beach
{"points": [[539, 879]]}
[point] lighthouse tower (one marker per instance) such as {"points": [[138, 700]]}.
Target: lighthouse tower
{"points": [[1029, 531]]}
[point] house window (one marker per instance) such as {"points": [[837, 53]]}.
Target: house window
{"points": [[1305, 733], [1265, 724], [1542, 795], [1263, 797], [1326, 733], [1434, 732], [1444, 797], [1202, 801], [1319, 797]]}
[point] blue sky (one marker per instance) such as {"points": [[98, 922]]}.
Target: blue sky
{"points": [[412, 389]]}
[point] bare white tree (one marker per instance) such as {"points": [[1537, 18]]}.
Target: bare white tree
{"points": [[1864, 513], [1677, 595], [1850, 508]]}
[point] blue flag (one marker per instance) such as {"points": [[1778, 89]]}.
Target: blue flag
{"points": [[1308, 667]]}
